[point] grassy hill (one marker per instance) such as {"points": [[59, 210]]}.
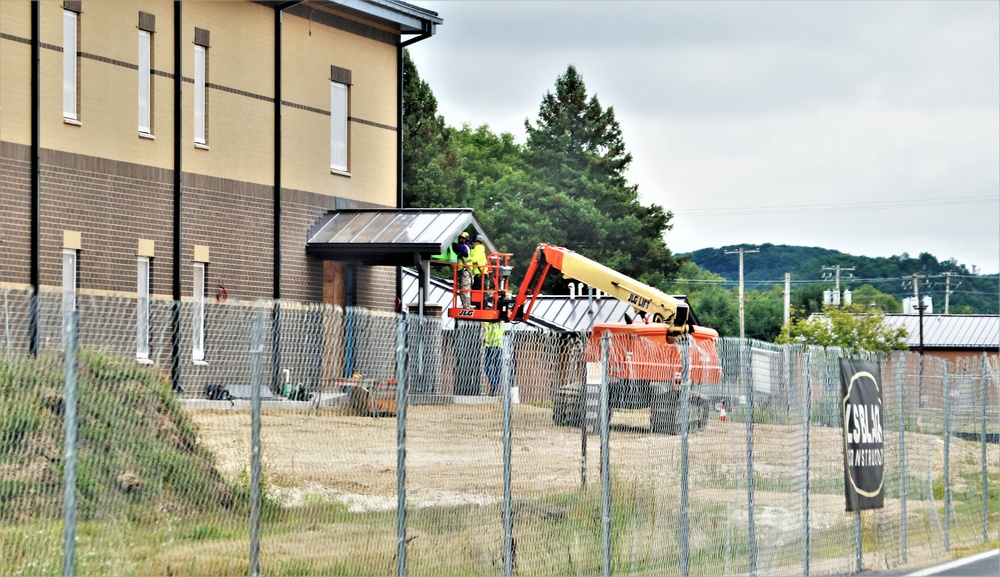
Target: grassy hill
{"points": [[970, 292]]}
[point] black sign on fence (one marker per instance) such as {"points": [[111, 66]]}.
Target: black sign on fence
{"points": [[861, 390]]}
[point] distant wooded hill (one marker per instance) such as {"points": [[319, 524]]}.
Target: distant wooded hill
{"points": [[971, 293]]}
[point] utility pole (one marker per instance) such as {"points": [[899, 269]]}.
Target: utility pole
{"points": [[837, 268], [741, 252], [947, 290], [788, 297], [920, 306], [920, 310]]}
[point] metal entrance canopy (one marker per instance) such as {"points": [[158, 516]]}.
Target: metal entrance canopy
{"points": [[390, 236]]}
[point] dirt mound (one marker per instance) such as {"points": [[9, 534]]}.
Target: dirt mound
{"points": [[137, 451]]}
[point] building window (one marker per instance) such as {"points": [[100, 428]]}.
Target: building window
{"points": [[142, 310], [200, 87], [198, 314], [68, 284], [70, 65], [340, 94], [147, 25], [338, 126]]}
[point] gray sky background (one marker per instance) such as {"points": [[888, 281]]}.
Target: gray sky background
{"points": [[872, 128]]}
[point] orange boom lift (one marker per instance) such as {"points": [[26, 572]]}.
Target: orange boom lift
{"points": [[644, 363]]}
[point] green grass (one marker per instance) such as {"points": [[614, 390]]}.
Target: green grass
{"points": [[185, 519]]}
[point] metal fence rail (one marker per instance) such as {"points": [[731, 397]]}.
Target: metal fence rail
{"points": [[311, 459]]}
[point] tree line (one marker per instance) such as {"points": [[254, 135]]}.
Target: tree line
{"points": [[566, 185]]}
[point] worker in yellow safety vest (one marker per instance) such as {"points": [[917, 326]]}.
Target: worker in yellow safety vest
{"points": [[493, 343], [480, 268]]}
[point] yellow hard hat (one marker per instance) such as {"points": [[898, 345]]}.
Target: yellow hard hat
{"points": [[464, 235]]}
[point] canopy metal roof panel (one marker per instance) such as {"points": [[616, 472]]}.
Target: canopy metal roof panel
{"points": [[389, 236]]}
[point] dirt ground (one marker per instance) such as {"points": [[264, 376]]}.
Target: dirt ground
{"points": [[454, 456]]}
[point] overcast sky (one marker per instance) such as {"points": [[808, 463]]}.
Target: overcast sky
{"points": [[872, 128]]}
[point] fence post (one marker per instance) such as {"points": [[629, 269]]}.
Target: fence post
{"points": [[69, 450], [508, 513], [982, 438], [684, 418], [751, 537], [401, 385], [858, 544], [806, 409], [255, 384], [900, 384], [605, 458], [947, 459], [6, 320]]}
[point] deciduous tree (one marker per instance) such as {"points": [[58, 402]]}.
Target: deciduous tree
{"points": [[852, 328]]}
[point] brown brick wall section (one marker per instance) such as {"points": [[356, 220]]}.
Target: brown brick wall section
{"points": [[15, 211], [112, 204], [301, 275], [234, 219], [377, 287]]}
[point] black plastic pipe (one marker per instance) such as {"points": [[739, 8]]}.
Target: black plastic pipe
{"points": [[35, 176], [276, 208], [175, 332], [399, 147], [276, 246]]}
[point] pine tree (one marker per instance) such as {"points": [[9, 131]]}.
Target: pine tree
{"points": [[576, 156]]}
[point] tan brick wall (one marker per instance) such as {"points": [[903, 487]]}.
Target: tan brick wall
{"points": [[103, 180], [372, 102], [240, 96], [15, 72]]}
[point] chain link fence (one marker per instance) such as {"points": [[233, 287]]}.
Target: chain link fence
{"points": [[289, 448]]}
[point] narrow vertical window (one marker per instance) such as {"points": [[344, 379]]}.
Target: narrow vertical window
{"points": [[200, 85], [199, 95], [338, 126], [142, 310], [144, 82], [68, 283], [70, 52], [198, 314], [340, 82]]}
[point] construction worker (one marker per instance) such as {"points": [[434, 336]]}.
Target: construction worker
{"points": [[493, 343], [448, 256], [479, 268], [463, 250]]}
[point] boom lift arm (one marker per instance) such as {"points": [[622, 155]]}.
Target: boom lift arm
{"points": [[647, 301]]}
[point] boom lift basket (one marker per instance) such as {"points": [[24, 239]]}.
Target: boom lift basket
{"points": [[491, 301]]}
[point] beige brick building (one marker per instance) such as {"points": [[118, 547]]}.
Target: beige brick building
{"points": [[147, 135]]}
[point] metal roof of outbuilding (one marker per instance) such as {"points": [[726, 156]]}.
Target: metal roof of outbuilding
{"points": [[950, 331], [555, 312], [390, 236]]}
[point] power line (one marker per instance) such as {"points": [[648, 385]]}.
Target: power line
{"points": [[854, 281], [839, 207]]}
